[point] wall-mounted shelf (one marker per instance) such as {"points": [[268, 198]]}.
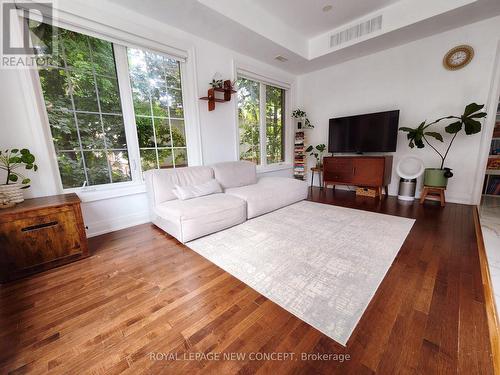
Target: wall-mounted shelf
{"points": [[212, 99]]}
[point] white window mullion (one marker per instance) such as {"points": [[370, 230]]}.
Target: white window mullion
{"points": [[262, 118], [122, 73]]}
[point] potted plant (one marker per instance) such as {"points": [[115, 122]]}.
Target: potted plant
{"points": [[10, 162], [302, 120], [419, 136], [317, 151]]}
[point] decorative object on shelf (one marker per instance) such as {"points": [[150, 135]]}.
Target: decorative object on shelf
{"points": [[217, 81], [10, 161], [438, 177], [227, 89], [317, 151], [458, 57], [302, 120], [299, 151]]}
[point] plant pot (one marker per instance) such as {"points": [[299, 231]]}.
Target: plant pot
{"points": [[435, 177], [12, 193]]}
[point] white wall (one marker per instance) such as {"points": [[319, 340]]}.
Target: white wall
{"points": [[408, 77], [20, 128], [411, 78]]}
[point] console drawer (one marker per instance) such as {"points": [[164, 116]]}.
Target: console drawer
{"points": [[39, 240], [338, 169]]}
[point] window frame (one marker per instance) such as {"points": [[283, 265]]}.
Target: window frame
{"points": [[121, 39], [263, 81]]}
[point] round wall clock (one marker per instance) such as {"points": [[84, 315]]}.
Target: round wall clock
{"points": [[458, 57]]}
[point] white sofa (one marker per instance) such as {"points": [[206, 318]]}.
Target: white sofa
{"points": [[245, 196]]}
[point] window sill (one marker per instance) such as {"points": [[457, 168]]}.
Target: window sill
{"points": [[97, 194], [273, 167]]}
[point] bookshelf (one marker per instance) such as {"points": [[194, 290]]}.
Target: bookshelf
{"points": [[491, 185], [299, 155]]}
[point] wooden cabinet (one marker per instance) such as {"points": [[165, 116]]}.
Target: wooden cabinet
{"points": [[365, 171], [40, 234]]}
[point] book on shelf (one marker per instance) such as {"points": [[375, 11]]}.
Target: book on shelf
{"points": [[493, 163], [493, 187]]}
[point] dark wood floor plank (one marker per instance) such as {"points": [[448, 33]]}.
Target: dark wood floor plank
{"points": [[142, 292]]}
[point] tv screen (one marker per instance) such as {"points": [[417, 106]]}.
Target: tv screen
{"points": [[373, 132]]}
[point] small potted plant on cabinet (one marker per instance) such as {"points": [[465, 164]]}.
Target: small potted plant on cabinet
{"points": [[15, 182], [419, 136]]}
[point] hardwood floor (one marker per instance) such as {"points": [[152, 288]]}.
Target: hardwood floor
{"points": [[142, 292]]}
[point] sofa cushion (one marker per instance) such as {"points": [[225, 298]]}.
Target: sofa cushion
{"points": [[203, 215], [269, 194], [235, 173], [161, 182], [193, 191]]}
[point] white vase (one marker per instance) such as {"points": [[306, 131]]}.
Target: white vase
{"points": [[12, 193]]}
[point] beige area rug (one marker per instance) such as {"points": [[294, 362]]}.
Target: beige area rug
{"points": [[320, 262]]}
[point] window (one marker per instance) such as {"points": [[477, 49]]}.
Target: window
{"points": [[84, 109], [261, 122], [82, 95], [159, 114]]}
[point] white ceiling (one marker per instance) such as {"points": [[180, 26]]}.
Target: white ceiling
{"points": [[307, 16], [299, 30]]}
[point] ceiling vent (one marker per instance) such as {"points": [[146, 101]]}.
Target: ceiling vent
{"points": [[356, 31], [281, 58]]}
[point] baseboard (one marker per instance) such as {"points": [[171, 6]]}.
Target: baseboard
{"points": [[449, 198], [491, 311], [105, 226]]}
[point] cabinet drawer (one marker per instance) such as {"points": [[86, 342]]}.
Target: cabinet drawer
{"points": [[368, 172], [338, 169], [36, 240]]}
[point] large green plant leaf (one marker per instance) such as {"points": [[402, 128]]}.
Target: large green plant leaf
{"points": [[14, 159], [415, 136], [454, 127], [28, 158], [478, 115], [472, 108], [321, 147], [472, 126], [435, 135]]}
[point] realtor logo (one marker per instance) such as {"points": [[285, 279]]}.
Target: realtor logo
{"points": [[24, 33]]}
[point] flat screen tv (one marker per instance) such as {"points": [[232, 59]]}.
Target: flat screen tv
{"points": [[373, 132]]}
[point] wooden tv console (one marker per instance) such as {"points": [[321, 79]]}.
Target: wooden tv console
{"points": [[364, 171]]}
